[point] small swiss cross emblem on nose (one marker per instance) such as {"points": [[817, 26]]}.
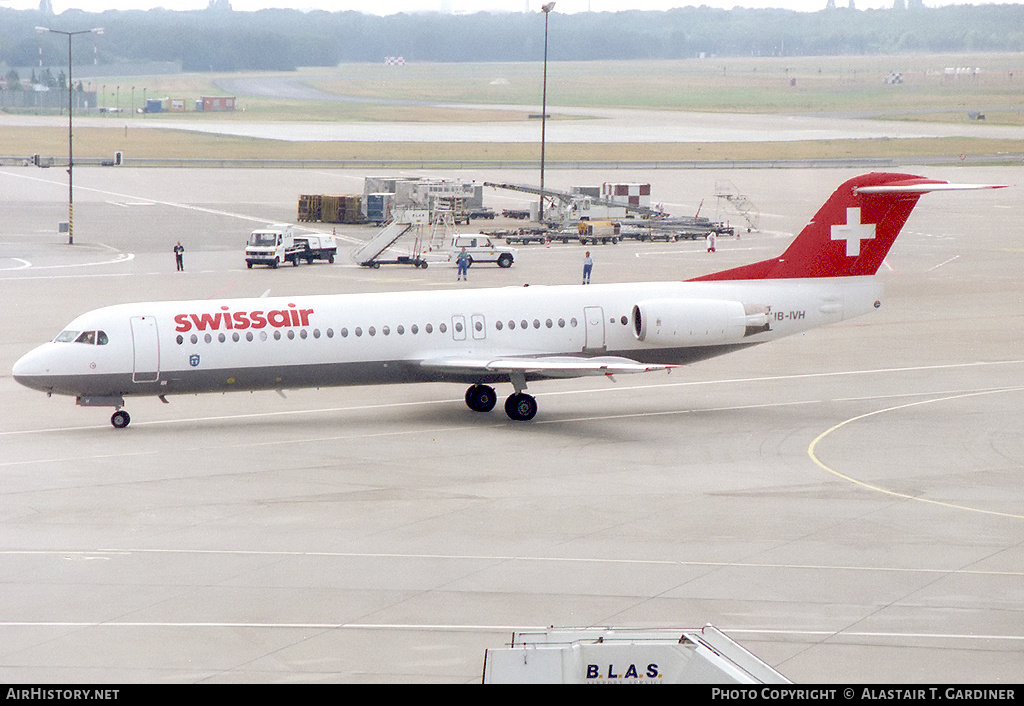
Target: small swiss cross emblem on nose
{"points": [[853, 232]]}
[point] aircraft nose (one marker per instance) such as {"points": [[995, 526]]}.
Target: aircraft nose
{"points": [[32, 368]]}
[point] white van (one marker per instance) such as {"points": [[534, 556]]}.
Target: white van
{"points": [[482, 248]]}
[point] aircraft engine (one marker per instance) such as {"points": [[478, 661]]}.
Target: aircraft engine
{"points": [[696, 322]]}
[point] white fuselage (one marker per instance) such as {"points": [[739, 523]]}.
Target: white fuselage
{"points": [[161, 348]]}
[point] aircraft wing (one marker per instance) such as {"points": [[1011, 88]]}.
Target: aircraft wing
{"points": [[549, 366]]}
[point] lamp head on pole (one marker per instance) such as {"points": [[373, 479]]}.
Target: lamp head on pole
{"points": [[547, 7], [94, 30]]}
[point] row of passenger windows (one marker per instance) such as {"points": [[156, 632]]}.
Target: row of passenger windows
{"points": [[358, 332]]}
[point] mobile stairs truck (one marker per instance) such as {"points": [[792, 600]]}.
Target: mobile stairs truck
{"points": [[278, 244]]}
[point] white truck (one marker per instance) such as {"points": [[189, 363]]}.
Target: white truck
{"points": [[482, 248], [277, 244]]}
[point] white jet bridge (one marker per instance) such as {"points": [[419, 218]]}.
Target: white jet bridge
{"points": [[625, 656]]}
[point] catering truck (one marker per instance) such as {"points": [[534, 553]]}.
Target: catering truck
{"points": [[277, 244]]}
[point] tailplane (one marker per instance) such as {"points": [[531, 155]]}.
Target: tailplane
{"points": [[851, 233]]}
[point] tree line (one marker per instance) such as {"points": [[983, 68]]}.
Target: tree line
{"points": [[222, 40]]}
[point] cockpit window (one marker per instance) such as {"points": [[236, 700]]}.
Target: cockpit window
{"points": [[90, 338]]}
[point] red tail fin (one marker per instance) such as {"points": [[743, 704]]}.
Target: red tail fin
{"points": [[850, 234]]}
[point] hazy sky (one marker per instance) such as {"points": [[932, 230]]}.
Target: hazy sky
{"points": [[383, 7]]}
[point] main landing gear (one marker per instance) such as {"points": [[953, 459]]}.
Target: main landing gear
{"points": [[519, 406]]}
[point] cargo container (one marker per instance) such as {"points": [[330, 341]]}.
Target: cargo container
{"points": [[330, 209], [379, 207]]}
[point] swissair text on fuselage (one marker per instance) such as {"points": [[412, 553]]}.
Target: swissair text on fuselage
{"points": [[225, 319]]}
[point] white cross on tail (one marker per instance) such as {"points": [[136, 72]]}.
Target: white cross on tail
{"points": [[853, 232]]}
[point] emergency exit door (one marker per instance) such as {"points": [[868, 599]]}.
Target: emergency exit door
{"points": [[593, 319]]}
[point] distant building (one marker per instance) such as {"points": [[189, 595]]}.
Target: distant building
{"points": [[215, 103], [631, 194]]}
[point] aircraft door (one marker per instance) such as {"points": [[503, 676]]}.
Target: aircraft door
{"points": [[459, 327], [146, 349], [593, 318], [479, 327]]}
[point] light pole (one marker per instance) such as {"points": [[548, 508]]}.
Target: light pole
{"points": [[71, 159], [546, 9]]}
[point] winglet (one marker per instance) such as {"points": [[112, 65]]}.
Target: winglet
{"points": [[852, 232]]}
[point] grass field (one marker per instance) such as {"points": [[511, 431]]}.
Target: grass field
{"points": [[989, 84]]}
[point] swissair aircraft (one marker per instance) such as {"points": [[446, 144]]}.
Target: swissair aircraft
{"points": [[487, 336]]}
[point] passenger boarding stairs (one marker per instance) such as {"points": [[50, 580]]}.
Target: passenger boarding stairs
{"points": [[372, 249]]}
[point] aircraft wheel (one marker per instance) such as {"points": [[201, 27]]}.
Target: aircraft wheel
{"points": [[521, 407], [481, 398], [120, 419]]}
